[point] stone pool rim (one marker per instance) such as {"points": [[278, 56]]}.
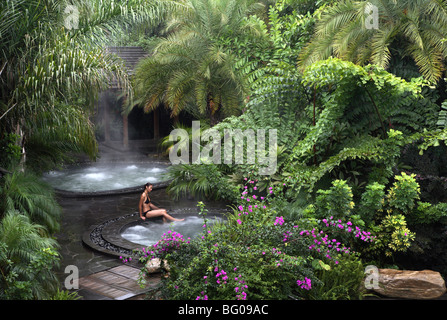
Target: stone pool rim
{"points": [[110, 232], [123, 191]]}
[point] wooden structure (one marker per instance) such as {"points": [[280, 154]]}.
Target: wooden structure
{"points": [[130, 56], [117, 283]]}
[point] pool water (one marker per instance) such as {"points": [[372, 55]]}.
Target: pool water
{"points": [[105, 177], [149, 232]]}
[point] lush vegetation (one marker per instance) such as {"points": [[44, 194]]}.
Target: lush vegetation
{"points": [[53, 63], [360, 124], [360, 116]]}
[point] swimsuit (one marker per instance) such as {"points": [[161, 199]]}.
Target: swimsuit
{"points": [[148, 201]]}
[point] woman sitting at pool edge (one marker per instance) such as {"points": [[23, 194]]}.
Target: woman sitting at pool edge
{"points": [[149, 210]]}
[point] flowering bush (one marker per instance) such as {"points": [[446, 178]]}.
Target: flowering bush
{"points": [[383, 212], [305, 284], [256, 254]]}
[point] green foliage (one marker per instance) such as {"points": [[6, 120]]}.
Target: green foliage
{"points": [[190, 66], [394, 235], [280, 36], [51, 75], [10, 150], [384, 212], [404, 193], [406, 29], [381, 94], [29, 195], [65, 295], [205, 180], [26, 259], [378, 156], [427, 213], [341, 282], [372, 201], [442, 118], [349, 109], [336, 201]]}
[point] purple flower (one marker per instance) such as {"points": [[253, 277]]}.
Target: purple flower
{"points": [[279, 220]]}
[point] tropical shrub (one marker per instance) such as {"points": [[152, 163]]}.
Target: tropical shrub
{"points": [[10, 151], [26, 259], [30, 196], [394, 235], [336, 201], [205, 180], [388, 213], [339, 282], [29, 217]]}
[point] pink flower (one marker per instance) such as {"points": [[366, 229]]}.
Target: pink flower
{"points": [[279, 220]]}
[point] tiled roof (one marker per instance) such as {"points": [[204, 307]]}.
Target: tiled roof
{"points": [[130, 56]]}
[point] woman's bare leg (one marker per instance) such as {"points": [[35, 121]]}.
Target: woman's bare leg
{"points": [[162, 213]]}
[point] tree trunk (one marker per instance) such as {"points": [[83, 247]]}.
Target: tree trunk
{"points": [[213, 111], [21, 143]]}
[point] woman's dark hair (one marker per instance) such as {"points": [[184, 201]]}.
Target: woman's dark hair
{"points": [[147, 185]]}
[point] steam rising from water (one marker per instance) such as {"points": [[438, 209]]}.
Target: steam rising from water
{"points": [[150, 232], [103, 178]]}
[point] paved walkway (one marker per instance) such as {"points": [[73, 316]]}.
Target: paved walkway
{"points": [[117, 283]]}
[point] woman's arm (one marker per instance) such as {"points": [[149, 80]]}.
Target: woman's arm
{"points": [[140, 207]]}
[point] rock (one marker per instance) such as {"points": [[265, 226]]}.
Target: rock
{"points": [[153, 266], [406, 284]]}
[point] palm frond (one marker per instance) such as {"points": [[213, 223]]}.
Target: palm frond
{"points": [[417, 26], [29, 195]]}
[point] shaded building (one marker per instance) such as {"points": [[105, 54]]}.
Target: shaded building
{"points": [[137, 127]]}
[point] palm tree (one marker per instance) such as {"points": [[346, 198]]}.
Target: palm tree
{"points": [[409, 28], [25, 266], [190, 66], [27, 194]]}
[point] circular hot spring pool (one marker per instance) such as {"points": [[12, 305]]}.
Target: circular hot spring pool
{"points": [[121, 235], [149, 232], [94, 178]]}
